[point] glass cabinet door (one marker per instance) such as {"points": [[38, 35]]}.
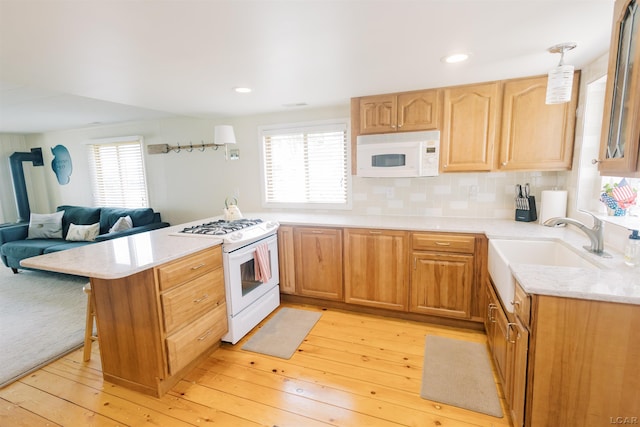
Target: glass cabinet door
{"points": [[621, 127]]}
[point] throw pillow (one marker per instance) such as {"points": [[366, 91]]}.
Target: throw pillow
{"points": [[45, 226], [123, 223], [83, 233]]}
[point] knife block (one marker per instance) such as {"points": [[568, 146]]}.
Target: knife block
{"points": [[527, 215]]}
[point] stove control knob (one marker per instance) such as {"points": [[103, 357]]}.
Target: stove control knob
{"points": [[272, 224], [235, 236]]}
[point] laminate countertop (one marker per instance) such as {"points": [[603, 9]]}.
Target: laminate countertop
{"points": [[612, 280], [124, 256]]}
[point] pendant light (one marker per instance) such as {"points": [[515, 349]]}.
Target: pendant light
{"points": [[560, 81]]}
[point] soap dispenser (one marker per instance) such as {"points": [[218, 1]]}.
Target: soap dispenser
{"points": [[632, 249]]}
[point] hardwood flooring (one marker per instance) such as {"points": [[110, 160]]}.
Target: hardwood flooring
{"points": [[352, 370]]}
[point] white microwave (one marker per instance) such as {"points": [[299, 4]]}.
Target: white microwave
{"points": [[405, 154]]}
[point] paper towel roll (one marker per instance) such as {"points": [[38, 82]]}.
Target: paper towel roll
{"points": [[553, 203]]}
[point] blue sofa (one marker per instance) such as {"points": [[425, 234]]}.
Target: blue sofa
{"points": [[14, 245]]}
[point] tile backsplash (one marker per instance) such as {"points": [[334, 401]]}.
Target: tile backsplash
{"points": [[477, 195]]}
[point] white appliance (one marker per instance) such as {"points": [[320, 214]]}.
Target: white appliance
{"points": [[249, 300], [402, 154]]}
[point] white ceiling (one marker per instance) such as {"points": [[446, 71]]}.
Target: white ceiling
{"points": [[71, 63]]}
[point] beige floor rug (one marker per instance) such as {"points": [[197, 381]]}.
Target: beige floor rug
{"points": [[283, 333], [459, 373], [42, 318]]}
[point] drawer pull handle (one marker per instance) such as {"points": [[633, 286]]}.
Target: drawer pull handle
{"points": [[508, 336], [515, 303], [206, 334], [316, 232], [202, 298], [375, 232], [443, 243], [195, 267]]}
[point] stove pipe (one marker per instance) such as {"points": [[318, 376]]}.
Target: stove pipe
{"points": [[19, 185]]}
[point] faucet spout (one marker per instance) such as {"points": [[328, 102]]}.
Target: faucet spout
{"points": [[595, 234]]}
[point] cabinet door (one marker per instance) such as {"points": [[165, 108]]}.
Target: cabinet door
{"points": [[441, 284], [286, 259], [620, 140], [376, 268], [536, 136], [318, 254], [418, 110], [501, 349], [519, 340], [469, 127], [378, 114]]}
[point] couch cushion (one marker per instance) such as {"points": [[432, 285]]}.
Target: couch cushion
{"points": [[64, 246], [45, 226], [21, 249], [139, 217], [79, 215], [83, 233]]}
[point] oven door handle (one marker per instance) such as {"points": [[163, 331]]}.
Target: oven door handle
{"points": [[251, 248]]}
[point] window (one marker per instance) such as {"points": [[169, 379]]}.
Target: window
{"points": [[118, 176], [306, 165]]}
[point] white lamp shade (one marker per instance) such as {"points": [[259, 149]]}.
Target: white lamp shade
{"points": [[559, 84], [224, 135]]}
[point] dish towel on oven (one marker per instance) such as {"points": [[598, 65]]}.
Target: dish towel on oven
{"points": [[263, 268]]}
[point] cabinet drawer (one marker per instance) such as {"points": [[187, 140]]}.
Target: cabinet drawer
{"points": [[459, 243], [189, 342], [522, 305], [185, 269], [187, 302]]}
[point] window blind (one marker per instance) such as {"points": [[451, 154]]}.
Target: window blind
{"points": [[118, 174], [306, 165]]}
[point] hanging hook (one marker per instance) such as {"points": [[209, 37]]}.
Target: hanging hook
{"points": [[190, 149], [177, 150], [203, 147]]}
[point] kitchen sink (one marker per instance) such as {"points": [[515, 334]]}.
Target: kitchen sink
{"points": [[506, 252]]}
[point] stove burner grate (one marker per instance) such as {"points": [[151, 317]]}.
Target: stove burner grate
{"points": [[221, 227]]}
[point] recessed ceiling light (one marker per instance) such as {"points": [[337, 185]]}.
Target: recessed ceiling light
{"points": [[456, 57], [240, 89]]}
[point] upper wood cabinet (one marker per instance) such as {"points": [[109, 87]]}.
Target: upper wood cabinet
{"points": [[620, 142], [318, 255], [376, 272], [410, 111], [469, 131], [536, 136]]}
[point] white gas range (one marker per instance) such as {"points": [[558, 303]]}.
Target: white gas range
{"points": [[251, 275]]}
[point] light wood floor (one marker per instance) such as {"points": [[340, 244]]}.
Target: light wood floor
{"points": [[352, 370]]}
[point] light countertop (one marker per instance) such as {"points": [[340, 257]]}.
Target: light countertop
{"points": [[124, 256], [613, 281]]}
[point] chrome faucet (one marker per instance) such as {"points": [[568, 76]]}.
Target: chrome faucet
{"points": [[595, 234]]}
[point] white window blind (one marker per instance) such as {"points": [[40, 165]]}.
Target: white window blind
{"points": [[306, 165], [118, 174]]}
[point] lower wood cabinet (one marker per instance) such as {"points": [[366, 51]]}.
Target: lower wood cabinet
{"points": [[442, 274], [156, 325], [318, 262], [376, 271], [436, 274], [566, 361]]}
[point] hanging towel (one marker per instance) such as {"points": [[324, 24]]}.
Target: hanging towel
{"points": [[262, 264]]}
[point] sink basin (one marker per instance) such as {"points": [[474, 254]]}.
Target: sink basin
{"points": [[505, 252]]}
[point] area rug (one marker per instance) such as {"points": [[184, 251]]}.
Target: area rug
{"points": [[459, 373], [42, 318], [283, 333]]}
